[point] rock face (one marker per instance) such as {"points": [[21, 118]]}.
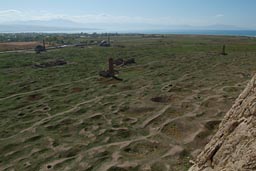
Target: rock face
{"points": [[233, 147]]}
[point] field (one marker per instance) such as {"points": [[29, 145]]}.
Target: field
{"points": [[18, 46], [158, 118]]}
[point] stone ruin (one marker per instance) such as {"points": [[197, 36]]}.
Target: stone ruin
{"points": [[40, 48], [233, 147], [122, 62], [51, 63], [111, 72], [224, 50], [104, 43]]}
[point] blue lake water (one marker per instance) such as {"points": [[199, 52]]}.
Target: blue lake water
{"points": [[250, 33]]}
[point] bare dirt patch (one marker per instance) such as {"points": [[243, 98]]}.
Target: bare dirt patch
{"points": [[161, 99], [18, 45], [34, 97]]}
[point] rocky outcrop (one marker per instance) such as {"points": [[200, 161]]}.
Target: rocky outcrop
{"points": [[51, 63], [122, 62], [233, 147]]}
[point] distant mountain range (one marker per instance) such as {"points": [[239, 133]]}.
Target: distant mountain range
{"points": [[37, 28], [48, 23], [61, 25], [43, 26]]}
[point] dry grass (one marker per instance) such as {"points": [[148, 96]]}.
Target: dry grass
{"points": [[18, 46], [165, 110]]}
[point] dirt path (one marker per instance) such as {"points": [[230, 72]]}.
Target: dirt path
{"points": [[46, 88], [38, 123]]}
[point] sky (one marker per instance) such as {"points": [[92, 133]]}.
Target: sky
{"points": [[161, 13]]}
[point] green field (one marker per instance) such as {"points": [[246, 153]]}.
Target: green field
{"points": [[158, 118]]}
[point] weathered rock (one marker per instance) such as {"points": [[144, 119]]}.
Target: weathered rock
{"points": [[119, 62], [233, 147], [104, 43], [50, 63], [39, 49], [129, 61], [105, 74], [122, 62]]}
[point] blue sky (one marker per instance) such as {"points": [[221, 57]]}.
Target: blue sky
{"points": [[239, 13]]}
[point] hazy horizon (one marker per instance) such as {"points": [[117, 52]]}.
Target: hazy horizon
{"points": [[131, 15]]}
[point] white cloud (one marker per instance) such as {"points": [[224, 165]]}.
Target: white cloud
{"points": [[11, 16], [6, 15], [9, 12], [15, 15]]}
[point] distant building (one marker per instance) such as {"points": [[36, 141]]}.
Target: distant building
{"points": [[81, 45], [104, 43]]}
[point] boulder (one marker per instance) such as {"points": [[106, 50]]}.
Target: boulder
{"points": [[50, 63], [39, 49], [129, 61], [122, 62], [118, 62], [233, 147]]}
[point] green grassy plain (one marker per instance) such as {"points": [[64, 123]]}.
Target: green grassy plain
{"points": [[69, 118]]}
